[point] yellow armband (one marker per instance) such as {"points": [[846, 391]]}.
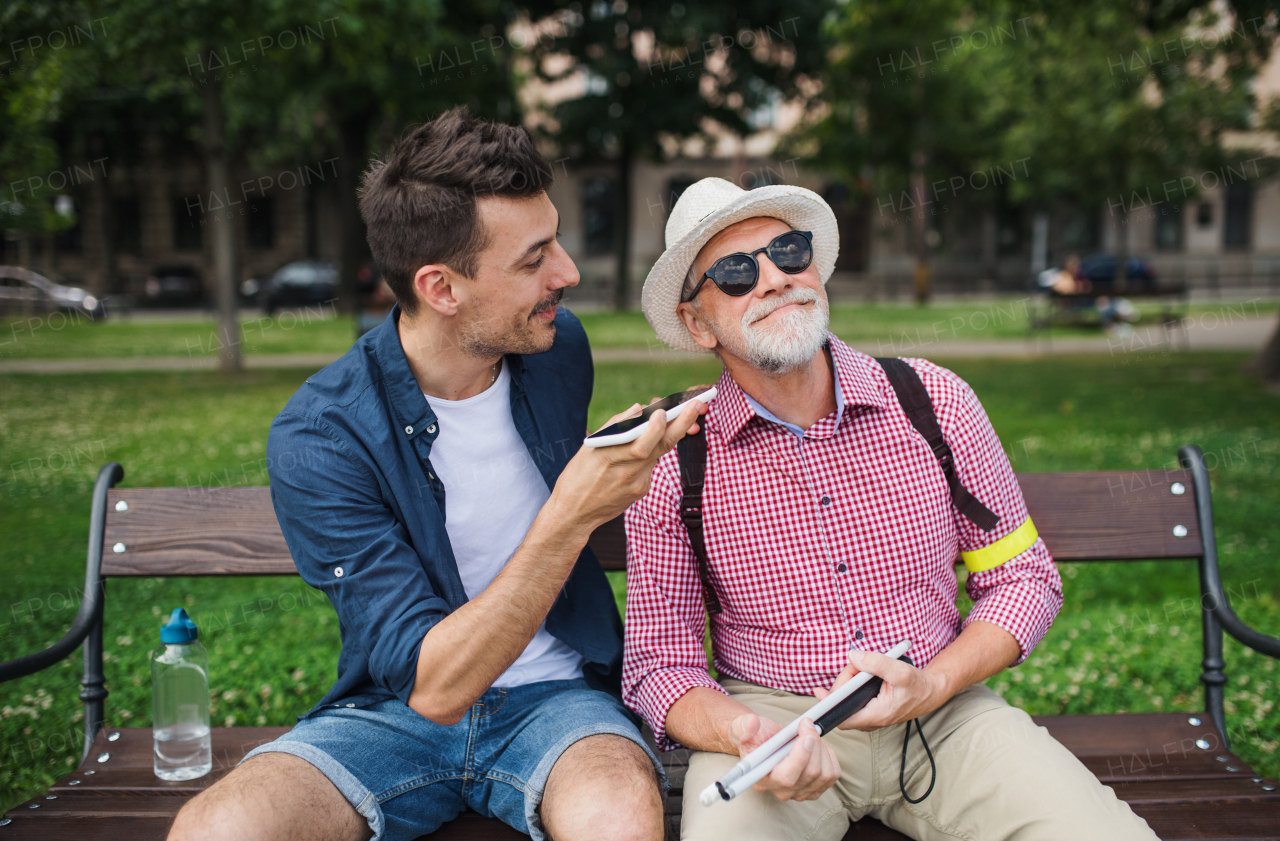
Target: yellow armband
{"points": [[1012, 544]]}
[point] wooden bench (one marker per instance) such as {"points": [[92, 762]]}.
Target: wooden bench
{"points": [[1078, 309], [1175, 769]]}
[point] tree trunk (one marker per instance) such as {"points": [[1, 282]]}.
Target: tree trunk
{"points": [[990, 243], [622, 234], [1266, 363], [99, 245], [1121, 278], [921, 220], [221, 215], [353, 135]]}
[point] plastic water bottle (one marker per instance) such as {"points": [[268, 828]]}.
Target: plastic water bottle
{"points": [[180, 701]]}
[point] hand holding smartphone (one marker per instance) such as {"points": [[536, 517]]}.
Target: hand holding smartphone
{"points": [[626, 431]]}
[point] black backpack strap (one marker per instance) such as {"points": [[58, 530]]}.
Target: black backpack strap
{"points": [[919, 408], [692, 452]]}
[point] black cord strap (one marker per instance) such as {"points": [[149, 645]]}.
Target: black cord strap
{"points": [[902, 774]]}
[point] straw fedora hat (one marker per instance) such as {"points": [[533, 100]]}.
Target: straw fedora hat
{"points": [[708, 207]]}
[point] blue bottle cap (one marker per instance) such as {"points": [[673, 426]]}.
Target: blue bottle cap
{"points": [[179, 630]]}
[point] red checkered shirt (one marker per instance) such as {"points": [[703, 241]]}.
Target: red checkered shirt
{"points": [[844, 539]]}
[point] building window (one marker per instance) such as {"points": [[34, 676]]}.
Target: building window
{"points": [[126, 225], [1169, 226], [1236, 216], [1204, 215], [599, 212], [260, 228], [188, 224], [675, 189]]}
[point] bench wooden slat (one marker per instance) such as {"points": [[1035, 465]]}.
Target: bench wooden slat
{"points": [[1125, 733], [147, 818], [117, 817], [1145, 757], [1223, 791], [1111, 515], [228, 531], [194, 531], [1193, 822]]}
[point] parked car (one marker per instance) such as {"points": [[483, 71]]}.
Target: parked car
{"points": [[295, 284], [23, 291], [172, 286], [1100, 269]]}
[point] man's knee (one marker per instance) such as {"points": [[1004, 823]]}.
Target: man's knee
{"points": [[604, 787], [271, 796]]}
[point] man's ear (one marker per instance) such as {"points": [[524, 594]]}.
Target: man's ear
{"points": [[698, 329], [434, 286]]}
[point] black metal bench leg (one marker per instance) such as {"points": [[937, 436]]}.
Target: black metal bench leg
{"points": [[94, 693]]}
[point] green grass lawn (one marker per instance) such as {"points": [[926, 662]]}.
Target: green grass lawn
{"points": [[878, 328], [1122, 642]]}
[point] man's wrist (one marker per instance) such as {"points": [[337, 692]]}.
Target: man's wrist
{"points": [[945, 684], [561, 526]]}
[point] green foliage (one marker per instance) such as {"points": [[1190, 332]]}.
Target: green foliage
{"points": [[1097, 100], [658, 72], [49, 48]]}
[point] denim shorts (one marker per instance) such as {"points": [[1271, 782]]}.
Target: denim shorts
{"points": [[408, 775]]}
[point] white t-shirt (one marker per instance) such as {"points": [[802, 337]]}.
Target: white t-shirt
{"points": [[493, 492]]}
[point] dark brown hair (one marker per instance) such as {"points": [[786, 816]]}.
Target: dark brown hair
{"points": [[419, 202]]}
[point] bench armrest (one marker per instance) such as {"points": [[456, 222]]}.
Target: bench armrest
{"points": [[90, 612], [1215, 598]]}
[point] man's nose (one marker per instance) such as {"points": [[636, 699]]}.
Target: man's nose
{"points": [[772, 278], [566, 273]]}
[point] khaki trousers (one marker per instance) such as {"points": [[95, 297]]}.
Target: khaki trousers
{"points": [[1000, 776]]}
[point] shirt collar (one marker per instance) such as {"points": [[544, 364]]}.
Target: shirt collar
{"points": [[858, 382], [408, 403]]}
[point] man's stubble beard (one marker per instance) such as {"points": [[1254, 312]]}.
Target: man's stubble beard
{"points": [[486, 337], [783, 346]]}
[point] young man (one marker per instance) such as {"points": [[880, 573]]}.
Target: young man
{"points": [[431, 483], [831, 532]]}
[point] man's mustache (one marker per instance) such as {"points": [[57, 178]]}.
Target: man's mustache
{"points": [[549, 303], [762, 309]]}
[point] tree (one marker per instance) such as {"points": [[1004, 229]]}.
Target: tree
{"points": [[651, 76], [909, 104], [49, 47], [1115, 104], [385, 66], [1104, 103], [290, 80]]}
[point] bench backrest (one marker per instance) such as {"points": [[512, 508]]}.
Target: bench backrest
{"points": [[1093, 516]]}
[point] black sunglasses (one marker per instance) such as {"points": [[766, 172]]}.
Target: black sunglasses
{"points": [[737, 274]]}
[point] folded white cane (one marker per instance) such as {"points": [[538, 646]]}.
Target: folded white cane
{"points": [[826, 715]]}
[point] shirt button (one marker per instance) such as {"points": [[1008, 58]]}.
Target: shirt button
{"points": [[338, 572], [431, 430], [857, 635], [842, 568], [408, 430], [826, 500]]}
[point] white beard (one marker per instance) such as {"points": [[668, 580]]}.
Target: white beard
{"points": [[787, 341]]}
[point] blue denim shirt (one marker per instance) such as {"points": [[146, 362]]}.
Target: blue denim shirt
{"points": [[363, 511]]}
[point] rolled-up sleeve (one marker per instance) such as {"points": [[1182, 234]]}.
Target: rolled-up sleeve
{"points": [[663, 655], [347, 542], [1024, 593]]}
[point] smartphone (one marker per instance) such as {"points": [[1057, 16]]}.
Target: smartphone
{"points": [[626, 431]]}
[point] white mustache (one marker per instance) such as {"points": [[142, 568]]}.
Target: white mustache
{"points": [[764, 308]]}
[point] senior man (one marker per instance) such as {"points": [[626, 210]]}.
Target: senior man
{"points": [[837, 493]]}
